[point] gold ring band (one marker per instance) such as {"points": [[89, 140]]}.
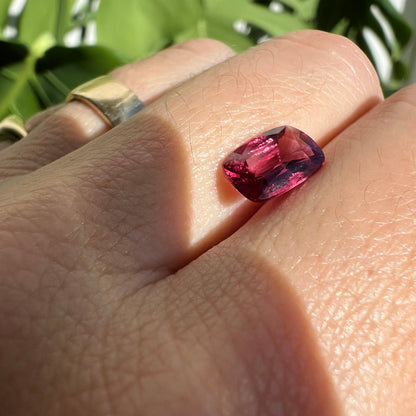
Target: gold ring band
{"points": [[12, 128], [109, 98]]}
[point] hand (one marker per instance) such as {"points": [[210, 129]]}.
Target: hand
{"points": [[135, 281]]}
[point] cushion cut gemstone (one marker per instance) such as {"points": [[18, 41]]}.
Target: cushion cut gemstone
{"points": [[273, 163]]}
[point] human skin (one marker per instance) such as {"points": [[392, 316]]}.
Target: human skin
{"points": [[135, 281]]}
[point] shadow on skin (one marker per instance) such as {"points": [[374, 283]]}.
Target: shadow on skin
{"points": [[249, 347], [226, 335]]}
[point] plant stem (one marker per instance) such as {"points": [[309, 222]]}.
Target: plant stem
{"points": [[25, 74], [57, 83], [37, 87], [60, 21], [38, 49]]}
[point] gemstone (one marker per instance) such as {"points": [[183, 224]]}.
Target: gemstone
{"points": [[273, 163]]}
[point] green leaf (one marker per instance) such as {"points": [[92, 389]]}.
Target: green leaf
{"points": [[353, 16], [330, 13], [377, 28], [402, 29], [304, 9], [62, 69], [362, 42], [137, 28], [18, 97], [274, 23], [342, 27], [4, 8], [47, 16], [223, 31], [11, 52], [28, 86], [400, 71], [16, 91]]}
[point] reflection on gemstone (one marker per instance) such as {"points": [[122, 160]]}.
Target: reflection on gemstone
{"points": [[273, 163]]}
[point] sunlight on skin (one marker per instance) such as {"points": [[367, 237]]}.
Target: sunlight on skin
{"points": [[132, 282]]}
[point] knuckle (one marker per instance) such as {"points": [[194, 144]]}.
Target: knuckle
{"points": [[405, 100], [398, 112], [325, 41], [341, 56], [203, 46]]}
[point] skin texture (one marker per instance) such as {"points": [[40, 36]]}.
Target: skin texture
{"points": [[135, 281]]}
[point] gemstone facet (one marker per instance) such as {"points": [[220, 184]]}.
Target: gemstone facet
{"points": [[273, 163]]}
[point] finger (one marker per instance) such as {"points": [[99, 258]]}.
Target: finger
{"points": [[59, 131], [160, 170], [345, 243], [39, 118], [5, 144], [11, 129]]}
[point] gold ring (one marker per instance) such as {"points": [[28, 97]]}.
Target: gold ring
{"points": [[109, 98], [12, 128]]}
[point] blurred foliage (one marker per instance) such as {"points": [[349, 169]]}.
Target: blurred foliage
{"points": [[38, 69]]}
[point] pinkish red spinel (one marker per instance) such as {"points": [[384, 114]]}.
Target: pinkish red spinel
{"points": [[273, 163]]}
